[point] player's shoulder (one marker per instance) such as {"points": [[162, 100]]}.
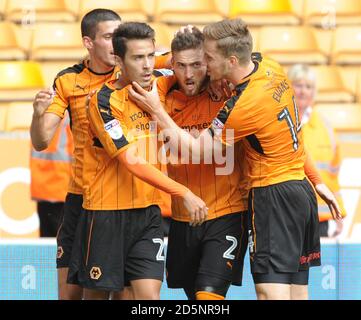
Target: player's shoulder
{"points": [[165, 82], [110, 96], [162, 72], [75, 69], [164, 77], [106, 91], [271, 68], [267, 76]]}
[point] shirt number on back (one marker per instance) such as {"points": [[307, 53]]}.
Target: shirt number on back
{"points": [[294, 129]]}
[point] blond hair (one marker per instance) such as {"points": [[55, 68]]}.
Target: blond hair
{"points": [[301, 72], [233, 38]]}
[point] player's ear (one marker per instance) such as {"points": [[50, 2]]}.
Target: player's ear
{"points": [[119, 61], [172, 63], [87, 42], [233, 61]]}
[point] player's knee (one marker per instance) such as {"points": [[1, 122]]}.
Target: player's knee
{"points": [[261, 293], [90, 294], [125, 294], [153, 295], [273, 291], [299, 292], [75, 294], [70, 292], [146, 293]]}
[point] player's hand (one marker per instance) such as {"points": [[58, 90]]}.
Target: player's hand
{"points": [[197, 209], [147, 100], [327, 196], [339, 228], [220, 89], [42, 101]]}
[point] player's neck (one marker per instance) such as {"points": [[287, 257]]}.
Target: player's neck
{"points": [[99, 67], [241, 72], [121, 82]]}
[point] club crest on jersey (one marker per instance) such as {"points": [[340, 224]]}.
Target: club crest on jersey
{"points": [[114, 129]]}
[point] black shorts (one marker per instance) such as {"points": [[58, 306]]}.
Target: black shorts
{"points": [[112, 248], [299, 278], [324, 228], [216, 249], [66, 232], [50, 215], [283, 228]]}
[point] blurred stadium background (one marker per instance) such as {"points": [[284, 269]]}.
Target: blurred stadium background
{"points": [[41, 37]]}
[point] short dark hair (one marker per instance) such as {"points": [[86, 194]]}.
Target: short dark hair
{"points": [[90, 21], [130, 31], [187, 40]]}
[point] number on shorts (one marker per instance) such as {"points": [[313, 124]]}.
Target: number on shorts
{"points": [[233, 246], [160, 256], [294, 129]]}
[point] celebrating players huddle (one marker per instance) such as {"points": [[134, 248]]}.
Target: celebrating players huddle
{"points": [[227, 127]]}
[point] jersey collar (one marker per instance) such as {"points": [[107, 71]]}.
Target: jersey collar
{"points": [[257, 59], [86, 63]]}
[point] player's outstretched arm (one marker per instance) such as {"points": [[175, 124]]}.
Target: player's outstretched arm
{"points": [[149, 101], [146, 172], [326, 194], [43, 125], [322, 190]]}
